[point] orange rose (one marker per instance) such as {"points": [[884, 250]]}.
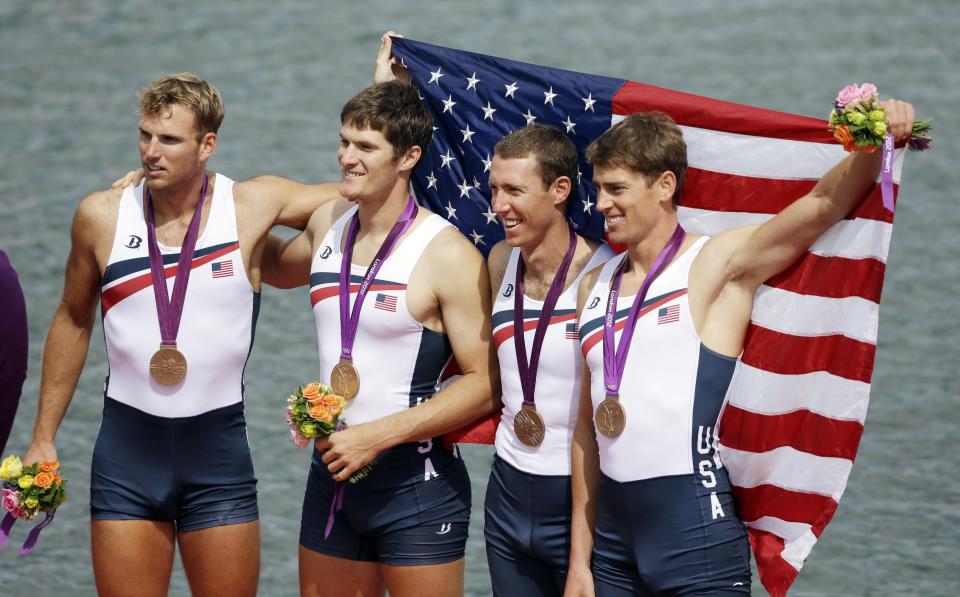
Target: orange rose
{"points": [[331, 402], [58, 480], [48, 466], [311, 392], [43, 480], [320, 414], [843, 135]]}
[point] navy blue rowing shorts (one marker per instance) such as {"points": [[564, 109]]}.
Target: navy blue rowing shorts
{"points": [[527, 528], [195, 472], [669, 536], [412, 509]]}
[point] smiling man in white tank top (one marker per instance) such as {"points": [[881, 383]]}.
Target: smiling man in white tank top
{"points": [[171, 464], [422, 295], [652, 506]]}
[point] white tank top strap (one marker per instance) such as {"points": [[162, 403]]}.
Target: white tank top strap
{"points": [[417, 240]]}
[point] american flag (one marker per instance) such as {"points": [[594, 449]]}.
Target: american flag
{"points": [[385, 302], [573, 331], [222, 269], [668, 314], [796, 406]]}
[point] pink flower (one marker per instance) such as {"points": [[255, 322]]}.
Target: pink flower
{"points": [[867, 93], [849, 95], [298, 440], [10, 502]]}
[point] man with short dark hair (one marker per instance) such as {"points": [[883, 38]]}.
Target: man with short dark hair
{"points": [[396, 291], [171, 464], [534, 273], [661, 329]]}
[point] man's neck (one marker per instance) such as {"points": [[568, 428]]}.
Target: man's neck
{"points": [[644, 252], [378, 215], [179, 201], [543, 258]]}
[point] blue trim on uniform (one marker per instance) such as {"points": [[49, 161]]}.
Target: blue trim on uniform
{"points": [[119, 269], [506, 316], [318, 278], [527, 531], [596, 323], [714, 372], [253, 334], [433, 355], [195, 472]]}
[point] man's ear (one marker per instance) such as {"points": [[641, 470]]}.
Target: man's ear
{"points": [[410, 158], [561, 188], [208, 144], [665, 186]]}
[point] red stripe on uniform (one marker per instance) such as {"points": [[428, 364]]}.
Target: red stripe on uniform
{"points": [[328, 291], [506, 331], [707, 113], [115, 294], [787, 354], [591, 340], [776, 574], [801, 429], [833, 277], [717, 191]]}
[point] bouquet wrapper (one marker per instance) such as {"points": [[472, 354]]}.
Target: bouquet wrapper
{"points": [[32, 537]]}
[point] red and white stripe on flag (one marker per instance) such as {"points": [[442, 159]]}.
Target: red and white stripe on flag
{"points": [[795, 409]]}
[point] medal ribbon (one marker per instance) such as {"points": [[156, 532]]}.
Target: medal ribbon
{"points": [[169, 308], [886, 173], [32, 536], [528, 371], [615, 357], [349, 319]]}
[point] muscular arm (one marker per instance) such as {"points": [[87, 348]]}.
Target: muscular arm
{"points": [[291, 202], [286, 262], [585, 474], [66, 346], [463, 291], [497, 266]]}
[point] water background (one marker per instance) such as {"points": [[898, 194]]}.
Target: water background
{"points": [[70, 71]]}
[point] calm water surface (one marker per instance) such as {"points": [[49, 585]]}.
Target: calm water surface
{"points": [[70, 71]]}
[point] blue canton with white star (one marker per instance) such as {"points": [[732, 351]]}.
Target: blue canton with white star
{"points": [[475, 101]]}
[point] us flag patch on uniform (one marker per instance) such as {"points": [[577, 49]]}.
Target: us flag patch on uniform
{"points": [[222, 269], [385, 302], [668, 314], [573, 331]]}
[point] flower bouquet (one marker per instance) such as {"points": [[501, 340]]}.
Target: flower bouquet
{"points": [[859, 122], [28, 491], [313, 410]]}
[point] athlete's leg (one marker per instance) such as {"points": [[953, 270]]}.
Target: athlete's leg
{"points": [[132, 557], [512, 573], [222, 560], [327, 576], [431, 580]]}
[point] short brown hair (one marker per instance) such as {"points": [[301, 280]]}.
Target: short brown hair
{"points": [[395, 110], [650, 143], [555, 154], [189, 90]]}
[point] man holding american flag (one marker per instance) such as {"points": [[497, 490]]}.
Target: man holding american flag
{"points": [[652, 505]]}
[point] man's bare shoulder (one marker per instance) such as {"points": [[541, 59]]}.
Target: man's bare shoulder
{"points": [[99, 208], [498, 256]]}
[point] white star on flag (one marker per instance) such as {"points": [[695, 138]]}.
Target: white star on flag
{"points": [[587, 205], [472, 81], [435, 76], [467, 133], [477, 238], [486, 163], [569, 124], [588, 102], [490, 216], [448, 104], [530, 117], [464, 188], [488, 112], [548, 96], [447, 158], [511, 88], [476, 183], [451, 211], [431, 181]]}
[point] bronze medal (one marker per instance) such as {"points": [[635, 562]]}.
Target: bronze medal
{"points": [[345, 380], [168, 366], [610, 417], [528, 425]]}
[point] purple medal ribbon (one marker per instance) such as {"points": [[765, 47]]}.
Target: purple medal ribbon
{"points": [[528, 371], [32, 537], [886, 173], [169, 308], [348, 319], [615, 357]]}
